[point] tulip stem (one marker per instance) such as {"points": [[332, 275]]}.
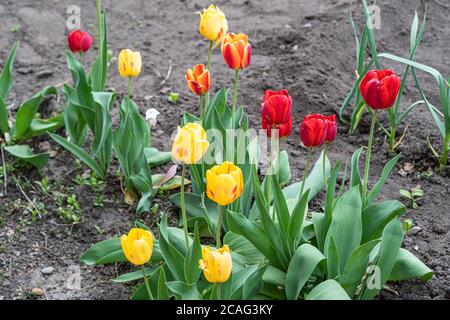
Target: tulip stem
{"points": [[222, 210], [236, 77], [149, 292], [81, 58], [444, 157], [269, 182], [218, 291], [368, 155], [208, 67], [324, 164], [5, 178], [308, 161], [128, 94], [183, 207], [201, 109]]}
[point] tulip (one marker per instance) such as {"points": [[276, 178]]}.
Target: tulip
{"points": [[276, 113], [79, 41], [190, 144], [213, 24], [224, 183], [313, 130], [331, 128], [129, 63], [189, 147], [379, 88], [198, 79], [137, 246], [216, 264], [236, 50]]}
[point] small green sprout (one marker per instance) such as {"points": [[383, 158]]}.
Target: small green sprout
{"points": [[414, 195]]}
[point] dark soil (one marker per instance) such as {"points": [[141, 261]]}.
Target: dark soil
{"points": [[304, 46]]}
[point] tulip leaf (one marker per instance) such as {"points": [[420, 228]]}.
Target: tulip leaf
{"points": [[4, 116], [356, 266], [40, 126], [135, 275], [296, 221], [184, 290], [333, 260], [384, 175], [157, 158], [104, 252], [376, 217], [305, 260], [24, 152], [27, 112], [328, 290], [240, 245], [346, 226], [80, 154], [383, 264], [319, 229], [254, 233], [408, 266], [99, 72], [194, 254], [274, 276], [74, 122], [314, 181], [355, 176], [330, 195], [6, 80]]}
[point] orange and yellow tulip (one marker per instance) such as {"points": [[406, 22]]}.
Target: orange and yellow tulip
{"points": [[190, 144], [216, 264], [198, 79], [224, 183], [236, 50]]}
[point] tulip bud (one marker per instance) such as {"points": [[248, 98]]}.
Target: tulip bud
{"points": [[379, 88], [79, 41], [276, 113], [129, 63], [198, 79], [190, 144], [137, 246], [236, 50], [313, 130], [216, 264], [224, 183], [213, 24]]}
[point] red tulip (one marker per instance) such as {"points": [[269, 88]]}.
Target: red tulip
{"points": [[79, 41], [331, 128], [276, 113], [313, 130], [379, 88]]}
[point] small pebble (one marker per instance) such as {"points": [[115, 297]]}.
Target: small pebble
{"points": [[37, 292], [44, 74], [47, 270]]}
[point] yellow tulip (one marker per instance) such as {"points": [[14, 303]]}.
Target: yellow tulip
{"points": [[137, 246], [129, 63], [224, 183], [213, 24], [190, 144], [216, 264]]}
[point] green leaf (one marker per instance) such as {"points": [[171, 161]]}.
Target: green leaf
{"points": [[27, 112], [333, 258], [134, 275], [184, 290], [384, 175], [328, 290], [99, 72], [239, 224], [173, 258], [163, 292], [194, 254], [4, 116], [376, 217], [314, 182], [240, 245], [275, 276], [104, 252], [40, 126], [295, 229], [346, 226], [305, 260], [25, 153], [157, 158], [281, 208], [80, 154], [6, 75], [356, 266], [355, 176], [408, 266], [389, 248]]}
